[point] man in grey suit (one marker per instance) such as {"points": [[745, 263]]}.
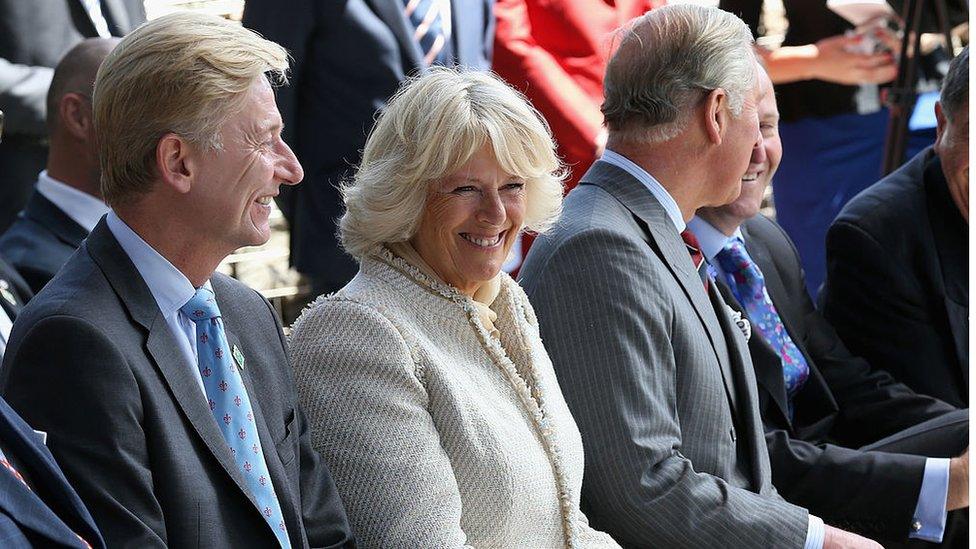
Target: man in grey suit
{"points": [[652, 365], [164, 388], [34, 35]]}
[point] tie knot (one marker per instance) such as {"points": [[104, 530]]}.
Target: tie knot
{"points": [[202, 306], [733, 258], [690, 240]]}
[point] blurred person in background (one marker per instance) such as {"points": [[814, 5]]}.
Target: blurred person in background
{"points": [[67, 200], [428, 389], [34, 36], [349, 58]]}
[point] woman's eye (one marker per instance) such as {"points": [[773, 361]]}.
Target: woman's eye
{"points": [[465, 189], [515, 186]]}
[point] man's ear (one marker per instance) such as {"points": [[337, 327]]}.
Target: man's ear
{"points": [[716, 115], [174, 162], [75, 114], [940, 125]]}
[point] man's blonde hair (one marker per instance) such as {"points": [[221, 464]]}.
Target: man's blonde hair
{"points": [[430, 128], [184, 73]]}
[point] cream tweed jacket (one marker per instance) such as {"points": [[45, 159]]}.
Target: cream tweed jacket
{"points": [[438, 434]]}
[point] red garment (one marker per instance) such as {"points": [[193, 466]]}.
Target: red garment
{"points": [[556, 51]]}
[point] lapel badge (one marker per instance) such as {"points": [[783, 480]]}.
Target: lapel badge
{"points": [[6, 293], [238, 357]]}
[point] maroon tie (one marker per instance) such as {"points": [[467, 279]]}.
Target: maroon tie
{"points": [[697, 259]]}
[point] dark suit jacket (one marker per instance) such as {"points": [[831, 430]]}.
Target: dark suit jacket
{"points": [[27, 520], [92, 362], [657, 376], [40, 241], [897, 287], [349, 58], [34, 35], [843, 405]]}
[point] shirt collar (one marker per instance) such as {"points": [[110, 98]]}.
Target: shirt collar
{"points": [[659, 192], [710, 239], [83, 208], [169, 287]]}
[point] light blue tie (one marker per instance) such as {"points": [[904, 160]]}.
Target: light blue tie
{"points": [[231, 406]]}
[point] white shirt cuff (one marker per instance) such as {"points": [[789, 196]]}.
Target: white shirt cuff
{"points": [[815, 533], [929, 520]]}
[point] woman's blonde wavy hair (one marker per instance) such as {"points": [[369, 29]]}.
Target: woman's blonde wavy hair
{"points": [[432, 126]]}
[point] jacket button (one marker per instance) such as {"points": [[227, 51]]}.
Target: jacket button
{"points": [[916, 526]]}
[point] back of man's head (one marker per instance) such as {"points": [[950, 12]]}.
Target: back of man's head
{"points": [[183, 73], [955, 87], [667, 61], [75, 74]]}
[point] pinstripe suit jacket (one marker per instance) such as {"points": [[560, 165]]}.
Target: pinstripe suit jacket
{"points": [[660, 385]]}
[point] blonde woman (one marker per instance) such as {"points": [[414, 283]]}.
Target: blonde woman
{"points": [[428, 390]]}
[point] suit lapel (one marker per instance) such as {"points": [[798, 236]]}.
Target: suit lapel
{"points": [[162, 347], [391, 12], [741, 371], [765, 361], [666, 242], [24, 505]]}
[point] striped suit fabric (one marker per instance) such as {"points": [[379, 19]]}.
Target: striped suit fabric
{"points": [[657, 376]]}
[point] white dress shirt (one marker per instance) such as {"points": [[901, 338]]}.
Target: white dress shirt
{"points": [[83, 208]]}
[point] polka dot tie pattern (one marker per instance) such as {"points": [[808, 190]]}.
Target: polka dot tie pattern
{"points": [[231, 406], [749, 288]]}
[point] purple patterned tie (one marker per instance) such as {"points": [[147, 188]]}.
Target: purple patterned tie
{"points": [[749, 288]]}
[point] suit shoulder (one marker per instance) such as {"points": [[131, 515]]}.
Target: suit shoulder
{"points": [[590, 214], [886, 205]]}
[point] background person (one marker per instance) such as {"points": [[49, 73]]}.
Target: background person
{"points": [[55, 517], [67, 202], [428, 389], [34, 36], [834, 130]]}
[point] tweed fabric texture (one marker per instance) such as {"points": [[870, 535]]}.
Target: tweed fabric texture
{"points": [[438, 434]]}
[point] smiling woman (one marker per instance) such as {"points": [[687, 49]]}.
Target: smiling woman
{"points": [[428, 389]]}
